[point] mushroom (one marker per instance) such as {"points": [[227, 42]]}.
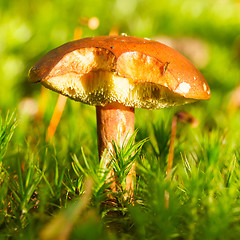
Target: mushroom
{"points": [[118, 74]]}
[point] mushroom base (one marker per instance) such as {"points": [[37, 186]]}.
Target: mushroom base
{"points": [[115, 122]]}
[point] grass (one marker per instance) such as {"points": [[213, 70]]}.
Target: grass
{"points": [[43, 185]]}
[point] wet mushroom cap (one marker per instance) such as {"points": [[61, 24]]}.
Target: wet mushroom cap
{"points": [[132, 71]]}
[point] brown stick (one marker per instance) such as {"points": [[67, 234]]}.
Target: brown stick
{"points": [[56, 117], [170, 158], [183, 117], [115, 122], [171, 148]]}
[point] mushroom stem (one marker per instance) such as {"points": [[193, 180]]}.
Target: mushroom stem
{"points": [[115, 122]]}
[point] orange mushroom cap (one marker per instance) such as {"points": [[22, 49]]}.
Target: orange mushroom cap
{"points": [[132, 71]]}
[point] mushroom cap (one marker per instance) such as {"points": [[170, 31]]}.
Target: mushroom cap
{"points": [[133, 71]]}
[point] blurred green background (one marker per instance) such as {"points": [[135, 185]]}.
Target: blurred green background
{"points": [[206, 31]]}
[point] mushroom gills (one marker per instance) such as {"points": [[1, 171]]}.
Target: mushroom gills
{"points": [[104, 87]]}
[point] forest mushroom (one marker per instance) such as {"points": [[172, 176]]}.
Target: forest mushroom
{"points": [[118, 74]]}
